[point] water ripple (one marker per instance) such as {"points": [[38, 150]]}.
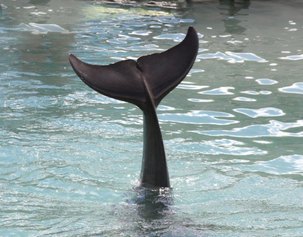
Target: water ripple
{"points": [[293, 57], [244, 99], [290, 164], [252, 92], [190, 86], [177, 37], [266, 81], [296, 88], [217, 147], [196, 100], [199, 117], [232, 57], [36, 28], [218, 91], [272, 129], [263, 112], [141, 32]]}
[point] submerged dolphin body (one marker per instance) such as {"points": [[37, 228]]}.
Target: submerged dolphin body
{"points": [[145, 83]]}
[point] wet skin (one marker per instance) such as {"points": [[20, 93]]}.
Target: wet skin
{"points": [[145, 83]]}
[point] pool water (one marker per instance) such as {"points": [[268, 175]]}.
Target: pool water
{"points": [[70, 158]]}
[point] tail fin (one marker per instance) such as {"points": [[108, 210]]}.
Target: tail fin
{"points": [[152, 77]]}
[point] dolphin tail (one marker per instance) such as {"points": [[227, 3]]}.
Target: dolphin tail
{"points": [[145, 83], [147, 80]]}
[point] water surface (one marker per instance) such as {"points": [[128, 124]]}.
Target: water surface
{"points": [[70, 158]]}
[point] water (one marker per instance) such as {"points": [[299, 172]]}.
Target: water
{"points": [[70, 158]]}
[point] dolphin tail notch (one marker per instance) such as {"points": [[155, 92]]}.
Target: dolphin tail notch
{"points": [[150, 77]]}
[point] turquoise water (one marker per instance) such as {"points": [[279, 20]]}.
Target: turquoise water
{"points": [[70, 158]]}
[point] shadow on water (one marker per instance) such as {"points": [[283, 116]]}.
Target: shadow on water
{"points": [[148, 207], [153, 203], [232, 13], [232, 8], [156, 215], [40, 2], [154, 211]]}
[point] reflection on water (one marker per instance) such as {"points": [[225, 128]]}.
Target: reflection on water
{"points": [[69, 157], [231, 8], [153, 204]]}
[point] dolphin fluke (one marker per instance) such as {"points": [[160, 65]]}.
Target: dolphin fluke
{"points": [[164, 71], [121, 80], [124, 80], [145, 83]]}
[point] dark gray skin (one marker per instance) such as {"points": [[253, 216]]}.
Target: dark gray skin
{"points": [[154, 172], [145, 83]]}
